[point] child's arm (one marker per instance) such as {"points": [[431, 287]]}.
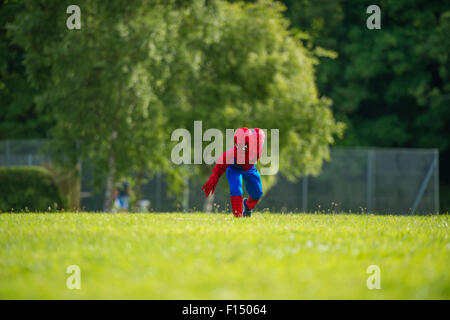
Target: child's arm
{"points": [[221, 166], [260, 137], [256, 145]]}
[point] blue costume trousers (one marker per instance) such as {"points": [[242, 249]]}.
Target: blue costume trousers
{"points": [[252, 180]]}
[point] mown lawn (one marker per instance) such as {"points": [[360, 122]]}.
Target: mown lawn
{"points": [[214, 256]]}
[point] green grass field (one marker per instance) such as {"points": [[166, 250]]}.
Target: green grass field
{"points": [[214, 256]]}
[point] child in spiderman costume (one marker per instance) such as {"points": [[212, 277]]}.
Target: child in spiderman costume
{"points": [[239, 162]]}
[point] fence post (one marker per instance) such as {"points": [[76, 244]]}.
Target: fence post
{"points": [[158, 191], [186, 195], [436, 182], [370, 179], [7, 152], [305, 194], [424, 185]]}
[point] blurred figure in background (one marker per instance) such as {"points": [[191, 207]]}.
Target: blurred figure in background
{"points": [[122, 197]]}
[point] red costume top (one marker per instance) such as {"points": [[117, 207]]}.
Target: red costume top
{"points": [[247, 149]]}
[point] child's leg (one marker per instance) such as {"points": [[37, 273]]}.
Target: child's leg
{"points": [[253, 186], [234, 177]]}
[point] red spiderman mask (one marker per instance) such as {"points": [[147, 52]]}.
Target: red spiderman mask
{"points": [[245, 146]]}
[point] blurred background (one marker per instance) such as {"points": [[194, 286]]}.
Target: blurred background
{"points": [[363, 113]]}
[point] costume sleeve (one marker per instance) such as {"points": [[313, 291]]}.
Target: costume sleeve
{"points": [[260, 137], [223, 162]]}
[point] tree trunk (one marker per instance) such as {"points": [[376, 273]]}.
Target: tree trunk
{"points": [[109, 193], [186, 195], [137, 190], [208, 203]]}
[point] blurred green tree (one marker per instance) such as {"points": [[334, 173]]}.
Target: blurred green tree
{"points": [[239, 65], [92, 82], [390, 86], [19, 117], [136, 71]]}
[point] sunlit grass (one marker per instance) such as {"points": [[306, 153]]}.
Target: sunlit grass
{"points": [[214, 256]]}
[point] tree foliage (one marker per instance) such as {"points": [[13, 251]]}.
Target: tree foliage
{"points": [[240, 65], [135, 71], [390, 86], [92, 81], [19, 116]]}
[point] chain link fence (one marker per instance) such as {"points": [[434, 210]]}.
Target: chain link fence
{"points": [[370, 180]]}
